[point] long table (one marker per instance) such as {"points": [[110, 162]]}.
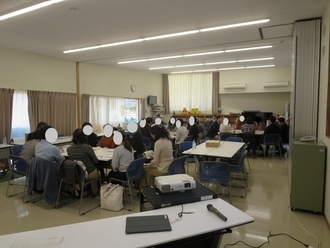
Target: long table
{"points": [[103, 154], [110, 232]]}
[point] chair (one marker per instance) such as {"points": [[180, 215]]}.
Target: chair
{"points": [[238, 169], [272, 140], [184, 146], [146, 142], [188, 138], [217, 173], [15, 160], [234, 139], [250, 139], [19, 167], [71, 173], [134, 172], [177, 166], [224, 136]]}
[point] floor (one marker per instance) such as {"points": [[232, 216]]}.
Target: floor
{"points": [[267, 201]]}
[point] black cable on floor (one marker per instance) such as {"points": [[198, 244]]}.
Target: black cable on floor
{"points": [[268, 241]]}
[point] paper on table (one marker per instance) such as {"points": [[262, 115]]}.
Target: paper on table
{"points": [[51, 242]]}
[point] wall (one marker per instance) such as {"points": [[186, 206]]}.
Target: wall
{"points": [[323, 103], [255, 96]]}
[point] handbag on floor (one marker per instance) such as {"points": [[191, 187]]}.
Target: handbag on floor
{"points": [[112, 197]]}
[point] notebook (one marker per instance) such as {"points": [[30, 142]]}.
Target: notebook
{"points": [[144, 224]]}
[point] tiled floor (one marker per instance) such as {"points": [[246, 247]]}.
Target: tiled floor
{"points": [[267, 201]]}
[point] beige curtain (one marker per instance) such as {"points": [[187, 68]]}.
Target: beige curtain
{"points": [[58, 109], [166, 94], [85, 108], [215, 92], [142, 108], [6, 110]]}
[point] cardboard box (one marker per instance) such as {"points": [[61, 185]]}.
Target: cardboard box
{"points": [[212, 143]]}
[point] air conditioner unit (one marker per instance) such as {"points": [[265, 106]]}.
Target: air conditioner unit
{"points": [[234, 86], [276, 84]]}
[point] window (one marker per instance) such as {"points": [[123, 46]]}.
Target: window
{"points": [[20, 119], [113, 110], [190, 91]]}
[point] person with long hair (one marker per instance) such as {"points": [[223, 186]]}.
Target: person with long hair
{"points": [[122, 156], [163, 154], [83, 152]]}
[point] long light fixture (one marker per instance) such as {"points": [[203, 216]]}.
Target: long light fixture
{"points": [[247, 49], [194, 54], [29, 9], [250, 60], [223, 69], [169, 35]]}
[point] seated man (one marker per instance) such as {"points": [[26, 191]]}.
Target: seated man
{"points": [[214, 128], [284, 128], [272, 128]]}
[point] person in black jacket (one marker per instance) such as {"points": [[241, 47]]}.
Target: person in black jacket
{"points": [[284, 128], [273, 128], [194, 130], [135, 139], [92, 138]]}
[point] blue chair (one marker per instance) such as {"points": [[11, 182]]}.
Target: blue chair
{"points": [[234, 139], [184, 146], [217, 173], [134, 172], [146, 142], [177, 166], [20, 167], [238, 171], [225, 136], [188, 138], [272, 140], [14, 160]]}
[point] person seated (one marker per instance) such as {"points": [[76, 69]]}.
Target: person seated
{"points": [[46, 150], [28, 149], [273, 128], [135, 139], [170, 126], [163, 154], [181, 133], [92, 139], [224, 128], [39, 126], [238, 124], [259, 124], [284, 128], [108, 141], [83, 152], [214, 128], [194, 131], [122, 157], [248, 127]]}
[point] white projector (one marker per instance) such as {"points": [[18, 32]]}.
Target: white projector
{"points": [[175, 183]]}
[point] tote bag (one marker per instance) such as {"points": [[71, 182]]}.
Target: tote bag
{"points": [[112, 197]]}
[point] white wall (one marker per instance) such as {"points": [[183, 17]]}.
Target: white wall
{"points": [[323, 103]]}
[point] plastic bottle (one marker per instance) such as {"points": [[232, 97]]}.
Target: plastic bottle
{"points": [[4, 141], [194, 144]]}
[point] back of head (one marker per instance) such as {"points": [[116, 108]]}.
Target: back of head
{"points": [[281, 120], [149, 120], [272, 119], [41, 124], [78, 136], [159, 132], [249, 120], [42, 132], [125, 142]]}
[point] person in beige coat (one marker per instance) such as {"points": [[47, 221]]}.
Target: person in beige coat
{"points": [[163, 154]]}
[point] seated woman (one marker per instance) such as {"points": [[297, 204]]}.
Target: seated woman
{"points": [[121, 159], [135, 139], [163, 154], [83, 152], [92, 138], [46, 150], [108, 141], [29, 146]]}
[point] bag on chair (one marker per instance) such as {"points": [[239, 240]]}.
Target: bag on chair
{"points": [[112, 197]]}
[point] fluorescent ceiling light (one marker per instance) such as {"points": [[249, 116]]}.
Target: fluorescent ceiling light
{"points": [[234, 25], [81, 49], [172, 35], [249, 60], [28, 9], [259, 66], [205, 70], [247, 49], [177, 72], [169, 57], [234, 68], [199, 54], [177, 66], [164, 67], [223, 62], [133, 61]]}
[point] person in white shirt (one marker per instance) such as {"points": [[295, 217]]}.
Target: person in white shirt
{"points": [[181, 133]]}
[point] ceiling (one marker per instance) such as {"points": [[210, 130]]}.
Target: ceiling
{"points": [[73, 24]]}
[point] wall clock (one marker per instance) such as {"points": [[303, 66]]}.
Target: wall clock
{"points": [[133, 87]]}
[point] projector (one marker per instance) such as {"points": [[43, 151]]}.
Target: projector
{"points": [[175, 183]]}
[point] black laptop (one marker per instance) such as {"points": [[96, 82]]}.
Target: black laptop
{"points": [[145, 224]]}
